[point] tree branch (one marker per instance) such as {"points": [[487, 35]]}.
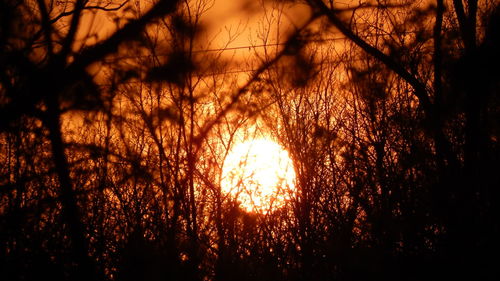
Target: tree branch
{"points": [[419, 87], [437, 58], [65, 14], [255, 76], [75, 21], [128, 32], [467, 24]]}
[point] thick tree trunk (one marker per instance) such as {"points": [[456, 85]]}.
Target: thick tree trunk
{"points": [[85, 267]]}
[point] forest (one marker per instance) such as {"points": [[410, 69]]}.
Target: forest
{"points": [[117, 120]]}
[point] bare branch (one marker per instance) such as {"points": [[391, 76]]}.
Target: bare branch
{"points": [[418, 86], [236, 96], [102, 8]]}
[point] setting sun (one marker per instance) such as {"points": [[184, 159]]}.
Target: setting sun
{"points": [[259, 174]]}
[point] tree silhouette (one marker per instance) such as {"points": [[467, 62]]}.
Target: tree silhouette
{"points": [[112, 147]]}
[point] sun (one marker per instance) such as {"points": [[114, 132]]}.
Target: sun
{"points": [[259, 174]]}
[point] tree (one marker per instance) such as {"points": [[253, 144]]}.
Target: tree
{"points": [[452, 194], [112, 148], [45, 74]]}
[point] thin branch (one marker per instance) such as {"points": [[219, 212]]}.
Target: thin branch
{"points": [[65, 14], [237, 95], [46, 25], [75, 22], [437, 59]]}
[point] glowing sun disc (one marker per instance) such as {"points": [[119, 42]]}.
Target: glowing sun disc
{"points": [[259, 174]]}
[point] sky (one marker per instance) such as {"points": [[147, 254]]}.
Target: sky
{"points": [[240, 19]]}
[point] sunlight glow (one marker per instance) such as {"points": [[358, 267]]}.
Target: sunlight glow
{"points": [[259, 174]]}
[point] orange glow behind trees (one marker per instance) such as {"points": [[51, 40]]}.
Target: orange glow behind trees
{"points": [[152, 140]]}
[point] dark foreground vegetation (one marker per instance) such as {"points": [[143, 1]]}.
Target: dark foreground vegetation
{"points": [[111, 148]]}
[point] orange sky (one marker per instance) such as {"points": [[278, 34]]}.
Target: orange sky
{"points": [[244, 17]]}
